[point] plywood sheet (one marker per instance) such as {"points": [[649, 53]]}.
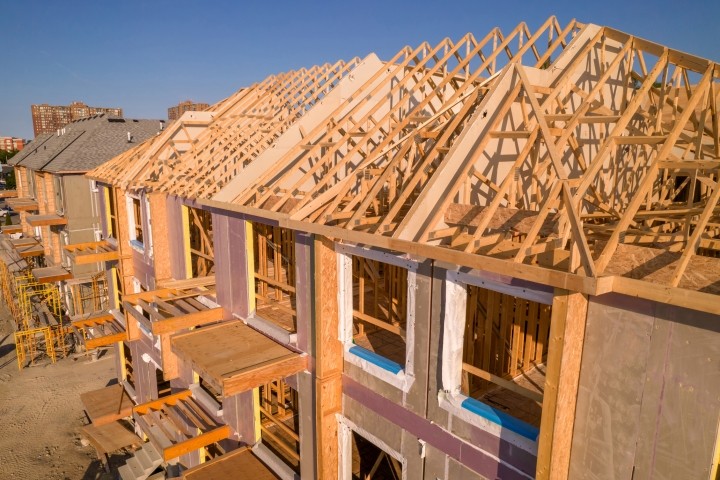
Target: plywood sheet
{"points": [[236, 357], [229, 466], [107, 404], [110, 437], [50, 274], [658, 266]]}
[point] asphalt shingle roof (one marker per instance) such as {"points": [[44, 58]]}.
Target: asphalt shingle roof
{"points": [[85, 144]]}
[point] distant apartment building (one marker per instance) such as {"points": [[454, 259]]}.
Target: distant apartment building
{"points": [[10, 144], [188, 105], [48, 118]]}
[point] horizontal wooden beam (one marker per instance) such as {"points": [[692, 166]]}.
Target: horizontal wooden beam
{"points": [[192, 444], [172, 399], [264, 373], [173, 324]]}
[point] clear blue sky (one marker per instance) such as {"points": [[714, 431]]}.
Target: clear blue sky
{"points": [[145, 56]]}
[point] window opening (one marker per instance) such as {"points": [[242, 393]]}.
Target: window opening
{"points": [[504, 352], [380, 308], [274, 263], [372, 463], [202, 258], [279, 422]]}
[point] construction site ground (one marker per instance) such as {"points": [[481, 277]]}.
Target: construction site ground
{"points": [[41, 414]]}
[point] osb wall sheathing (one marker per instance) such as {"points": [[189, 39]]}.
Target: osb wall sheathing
{"points": [[649, 392]]}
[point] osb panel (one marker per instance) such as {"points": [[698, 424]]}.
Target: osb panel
{"points": [[617, 340], [658, 266], [505, 219]]}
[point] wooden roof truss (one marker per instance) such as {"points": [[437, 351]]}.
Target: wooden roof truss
{"points": [[369, 166], [247, 124], [613, 144]]}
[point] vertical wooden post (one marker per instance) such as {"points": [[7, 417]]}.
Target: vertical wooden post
{"points": [[328, 357], [567, 338], [160, 235]]}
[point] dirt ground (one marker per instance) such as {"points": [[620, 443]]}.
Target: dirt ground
{"points": [[41, 414]]}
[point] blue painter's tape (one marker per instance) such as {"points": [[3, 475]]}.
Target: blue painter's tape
{"points": [[376, 359], [501, 418]]}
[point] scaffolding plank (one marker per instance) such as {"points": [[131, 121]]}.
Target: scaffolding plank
{"points": [[107, 404]]}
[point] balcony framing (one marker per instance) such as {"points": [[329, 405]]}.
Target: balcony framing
{"points": [[91, 252], [178, 425]]}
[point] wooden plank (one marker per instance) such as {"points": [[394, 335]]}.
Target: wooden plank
{"points": [[573, 343], [226, 467], [192, 444], [110, 437], [46, 220], [156, 404], [107, 404], [173, 324], [550, 396], [51, 274], [264, 373]]}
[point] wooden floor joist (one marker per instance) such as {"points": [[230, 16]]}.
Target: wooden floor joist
{"points": [[176, 424], [91, 252]]}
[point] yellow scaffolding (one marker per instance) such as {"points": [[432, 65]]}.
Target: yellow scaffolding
{"points": [[37, 311]]}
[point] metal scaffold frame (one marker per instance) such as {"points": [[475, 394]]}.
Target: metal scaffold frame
{"points": [[29, 301]]}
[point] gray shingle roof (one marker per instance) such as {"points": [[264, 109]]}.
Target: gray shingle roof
{"points": [[30, 148], [85, 144]]}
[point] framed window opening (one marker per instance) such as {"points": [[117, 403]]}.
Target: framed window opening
{"points": [[200, 237], [128, 375], [274, 275], [138, 217], [495, 370], [59, 194], [279, 418], [363, 455], [377, 312], [112, 223]]}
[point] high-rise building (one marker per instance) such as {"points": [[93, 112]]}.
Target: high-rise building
{"points": [[188, 105], [10, 144], [48, 118]]}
